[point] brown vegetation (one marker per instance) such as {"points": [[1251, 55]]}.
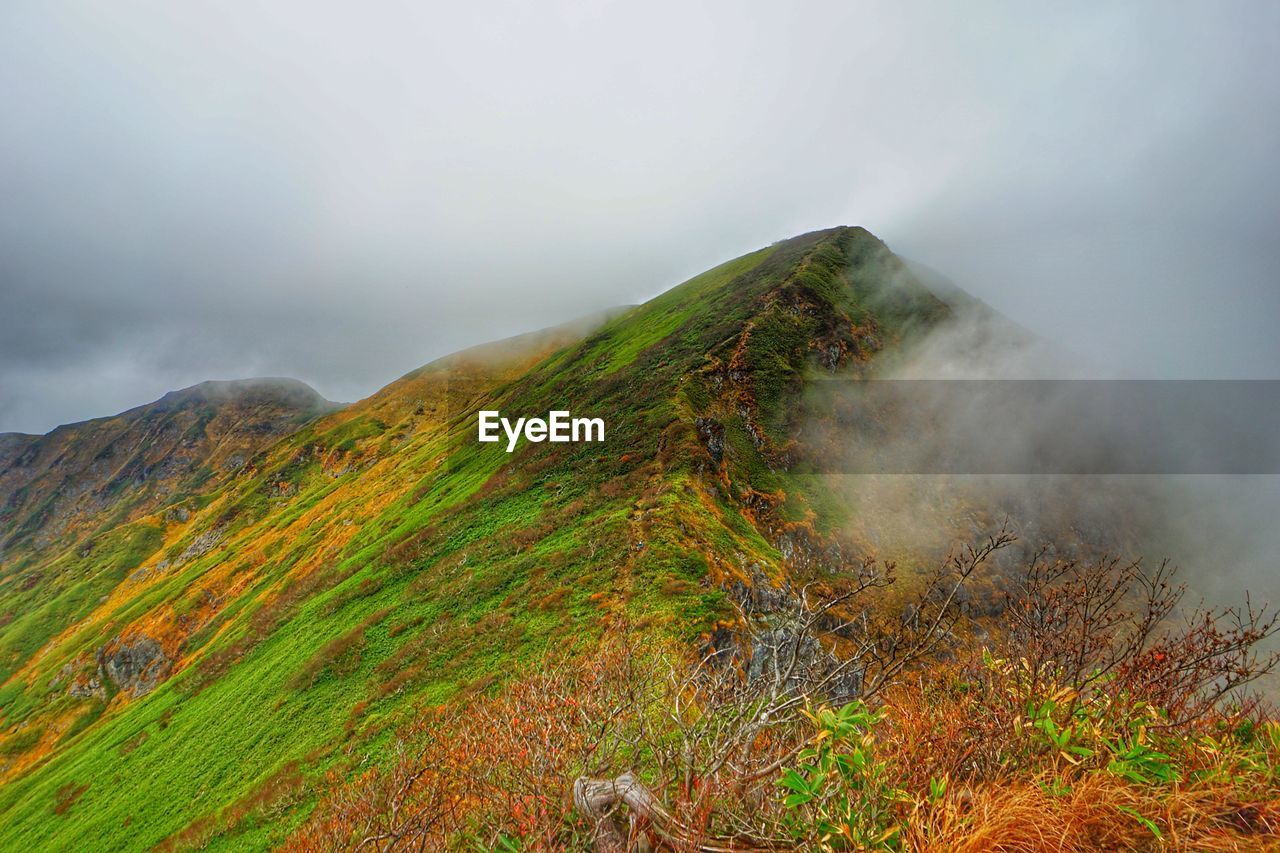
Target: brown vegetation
{"points": [[1096, 721]]}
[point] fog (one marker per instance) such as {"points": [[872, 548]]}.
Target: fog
{"points": [[342, 192], [1020, 436]]}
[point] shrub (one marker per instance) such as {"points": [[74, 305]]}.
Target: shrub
{"points": [[817, 728]]}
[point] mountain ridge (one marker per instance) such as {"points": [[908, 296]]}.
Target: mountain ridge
{"points": [[208, 390], [376, 556], [213, 422]]}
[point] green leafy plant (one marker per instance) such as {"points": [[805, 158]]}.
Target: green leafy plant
{"points": [[1063, 738], [1145, 821], [1055, 786], [839, 796], [1140, 763]]}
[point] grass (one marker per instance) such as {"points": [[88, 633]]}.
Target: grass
{"points": [[381, 559]]}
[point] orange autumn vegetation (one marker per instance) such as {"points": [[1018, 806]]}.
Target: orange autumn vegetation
{"points": [[973, 752]]}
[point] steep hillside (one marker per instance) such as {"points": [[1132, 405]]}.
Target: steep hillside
{"points": [[109, 470], [307, 594], [82, 507]]}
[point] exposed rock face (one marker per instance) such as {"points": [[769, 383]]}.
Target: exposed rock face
{"points": [[135, 665], [771, 641], [201, 545], [773, 649], [760, 596], [712, 433], [90, 688]]}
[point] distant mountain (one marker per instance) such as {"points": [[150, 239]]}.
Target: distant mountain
{"points": [[116, 468]]}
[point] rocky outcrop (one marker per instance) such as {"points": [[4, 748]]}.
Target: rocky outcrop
{"points": [[759, 596], [774, 637], [201, 545], [772, 652], [711, 431], [134, 665], [88, 688]]}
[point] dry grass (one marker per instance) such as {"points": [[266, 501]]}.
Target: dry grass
{"points": [[1097, 813], [1091, 726], [499, 767]]}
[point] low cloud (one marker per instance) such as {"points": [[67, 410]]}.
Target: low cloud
{"points": [[968, 428], [214, 190]]}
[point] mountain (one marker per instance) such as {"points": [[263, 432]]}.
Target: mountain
{"points": [[85, 505], [243, 588], [120, 467]]}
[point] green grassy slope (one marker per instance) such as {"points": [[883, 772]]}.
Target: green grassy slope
{"points": [[381, 558]]}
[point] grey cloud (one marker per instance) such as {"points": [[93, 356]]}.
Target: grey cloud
{"points": [[341, 192]]}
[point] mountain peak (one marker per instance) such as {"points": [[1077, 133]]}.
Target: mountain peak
{"points": [[212, 518], [284, 391]]}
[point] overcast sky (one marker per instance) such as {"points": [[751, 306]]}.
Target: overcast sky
{"points": [[341, 192]]}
